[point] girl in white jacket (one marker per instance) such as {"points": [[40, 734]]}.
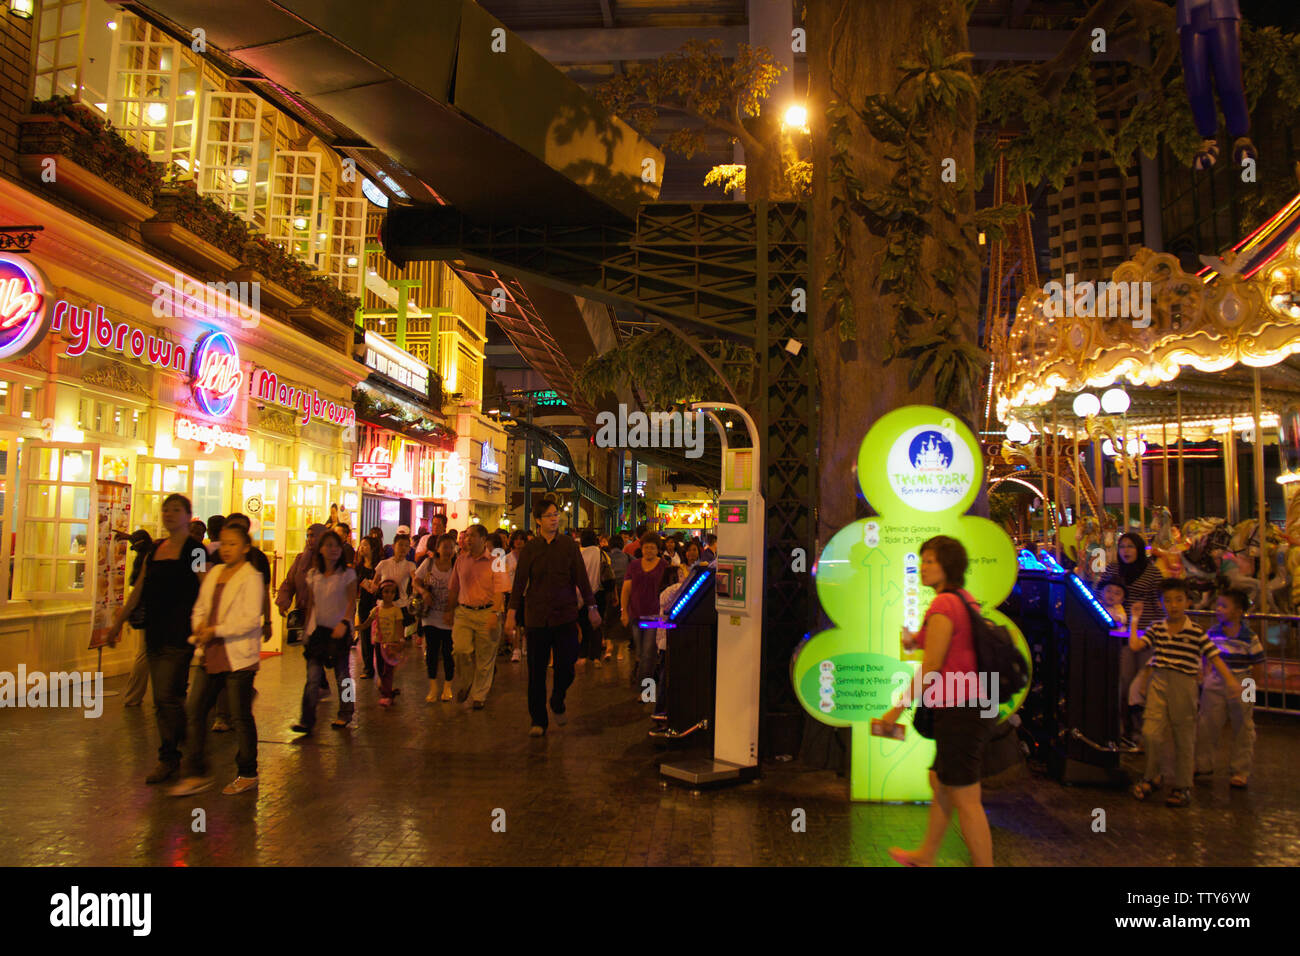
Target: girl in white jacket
{"points": [[227, 628]]}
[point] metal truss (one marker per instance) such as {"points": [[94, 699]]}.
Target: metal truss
{"points": [[720, 272]]}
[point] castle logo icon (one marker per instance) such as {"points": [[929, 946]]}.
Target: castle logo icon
{"points": [[930, 451]]}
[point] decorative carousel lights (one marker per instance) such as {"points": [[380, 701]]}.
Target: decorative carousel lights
{"points": [[1147, 367]]}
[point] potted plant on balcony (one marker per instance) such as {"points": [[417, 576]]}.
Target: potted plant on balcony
{"points": [[267, 263], [92, 164], [194, 228]]}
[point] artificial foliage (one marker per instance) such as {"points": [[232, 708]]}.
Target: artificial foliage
{"points": [[724, 94], [95, 144], [179, 201], [667, 373]]}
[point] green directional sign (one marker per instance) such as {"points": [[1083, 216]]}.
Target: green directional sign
{"points": [[920, 469]]}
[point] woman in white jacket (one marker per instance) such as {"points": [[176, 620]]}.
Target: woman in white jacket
{"points": [[227, 628]]}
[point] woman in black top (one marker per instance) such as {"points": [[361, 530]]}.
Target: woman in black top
{"points": [[1141, 580], [367, 598], [171, 586]]}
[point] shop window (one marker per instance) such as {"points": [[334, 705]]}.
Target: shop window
{"points": [[156, 478], [55, 522], [59, 48], [238, 139], [295, 202], [108, 418], [7, 460], [30, 402]]}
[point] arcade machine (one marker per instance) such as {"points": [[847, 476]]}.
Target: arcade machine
{"points": [[738, 602], [691, 625], [1071, 713]]}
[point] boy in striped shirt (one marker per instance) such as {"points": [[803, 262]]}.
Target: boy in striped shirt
{"points": [[1177, 647], [1243, 654]]}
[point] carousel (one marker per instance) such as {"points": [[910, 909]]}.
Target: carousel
{"points": [[1129, 405]]}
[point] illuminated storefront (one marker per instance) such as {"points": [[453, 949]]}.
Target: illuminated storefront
{"points": [[113, 395]]}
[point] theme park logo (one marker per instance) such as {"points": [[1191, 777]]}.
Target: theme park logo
{"points": [[656, 430], [1090, 300], [216, 372], [929, 470], [24, 312]]}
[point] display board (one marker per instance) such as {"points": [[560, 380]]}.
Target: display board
{"points": [[113, 517], [920, 469]]}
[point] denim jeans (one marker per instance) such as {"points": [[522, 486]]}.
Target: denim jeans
{"points": [[169, 672], [311, 692], [238, 686], [563, 640]]}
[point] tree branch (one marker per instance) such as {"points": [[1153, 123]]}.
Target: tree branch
{"points": [[1055, 72]]}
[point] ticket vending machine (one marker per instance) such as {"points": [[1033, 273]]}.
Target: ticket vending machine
{"points": [[738, 598]]}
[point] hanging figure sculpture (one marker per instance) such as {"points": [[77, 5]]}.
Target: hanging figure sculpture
{"points": [[1209, 32]]}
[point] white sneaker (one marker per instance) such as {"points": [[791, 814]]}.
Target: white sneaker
{"points": [[514, 657]]}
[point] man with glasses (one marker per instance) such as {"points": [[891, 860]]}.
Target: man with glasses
{"points": [[551, 573]]}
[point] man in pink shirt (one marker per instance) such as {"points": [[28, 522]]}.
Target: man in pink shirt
{"points": [[476, 599]]}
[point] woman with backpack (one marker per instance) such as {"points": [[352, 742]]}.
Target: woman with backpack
{"points": [[961, 732]]}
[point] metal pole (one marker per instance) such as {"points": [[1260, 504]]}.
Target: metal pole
{"points": [[1230, 486], [1182, 515], [1056, 475], [1164, 444], [1265, 569], [1044, 449], [1123, 478], [1074, 472], [1142, 496], [1099, 473]]}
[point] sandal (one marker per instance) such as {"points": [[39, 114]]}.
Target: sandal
{"points": [[1144, 788], [1238, 781], [1179, 797], [904, 857], [338, 723]]}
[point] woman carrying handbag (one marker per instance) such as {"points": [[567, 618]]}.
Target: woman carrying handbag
{"points": [[227, 629]]}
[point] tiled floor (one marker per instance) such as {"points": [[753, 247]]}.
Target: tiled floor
{"points": [[423, 784]]}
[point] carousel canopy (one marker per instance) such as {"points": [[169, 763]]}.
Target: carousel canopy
{"points": [[1152, 323]]}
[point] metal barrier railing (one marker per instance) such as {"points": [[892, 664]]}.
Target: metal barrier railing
{"points": [[1280, 635]]}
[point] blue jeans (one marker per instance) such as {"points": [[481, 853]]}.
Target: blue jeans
{"points": [[169, 672], [311, 692]]}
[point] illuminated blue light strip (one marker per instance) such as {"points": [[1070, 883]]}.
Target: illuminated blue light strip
{"points": [[1051, 562], [685, 598], [1091, 599], [1028, 561]]}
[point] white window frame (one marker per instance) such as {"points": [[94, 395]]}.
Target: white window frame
{"points": [[28, 483]]}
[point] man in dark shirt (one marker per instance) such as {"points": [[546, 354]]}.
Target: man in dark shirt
{"points": [[710, 552], [550, 569]]}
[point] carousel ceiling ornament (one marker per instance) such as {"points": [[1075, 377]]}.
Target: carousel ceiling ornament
{"points": [[1210, 323]]}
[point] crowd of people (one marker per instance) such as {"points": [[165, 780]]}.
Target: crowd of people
{"points": [[549, 600]]}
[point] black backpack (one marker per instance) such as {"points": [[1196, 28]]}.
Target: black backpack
{"points": [[996, 654]]}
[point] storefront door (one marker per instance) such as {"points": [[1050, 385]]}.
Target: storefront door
{"points": [[156, 478], [262, 495], [309, 504], [212, 487]]}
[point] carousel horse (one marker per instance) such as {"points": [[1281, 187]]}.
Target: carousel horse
{"points": [[1090, 552], [1202, 536], [1167, 546]]}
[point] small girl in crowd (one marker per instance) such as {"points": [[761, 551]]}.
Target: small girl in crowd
{"points": [[388, 637]]}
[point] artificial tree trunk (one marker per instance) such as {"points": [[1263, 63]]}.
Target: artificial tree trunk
{"points": [[855, 49]]}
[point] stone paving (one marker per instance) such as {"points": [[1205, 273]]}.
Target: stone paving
{"points": [[420, 785]]}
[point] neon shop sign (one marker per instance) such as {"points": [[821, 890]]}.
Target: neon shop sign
{"points": [[217, 375], [210, 436], [24, 310], [267, 387]]}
